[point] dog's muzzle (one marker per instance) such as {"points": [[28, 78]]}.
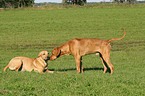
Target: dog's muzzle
{"points": [[53, 57], [48, 58]]}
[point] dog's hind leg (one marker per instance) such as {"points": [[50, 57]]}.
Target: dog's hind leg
{"points": [[15, 64], [103, 62], [106, 58], [105, 67]]}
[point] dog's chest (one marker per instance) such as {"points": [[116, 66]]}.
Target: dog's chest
{"points": [[40, 62]]}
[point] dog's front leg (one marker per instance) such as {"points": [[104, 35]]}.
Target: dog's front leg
{"points": [[78, 63], [81, 65], [49, 71]]}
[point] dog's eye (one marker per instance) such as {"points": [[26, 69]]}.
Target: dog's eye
{"points": [[44, 54]]}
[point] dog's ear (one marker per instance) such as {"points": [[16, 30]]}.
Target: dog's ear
{"points": [[56, 51], [41, 53]]}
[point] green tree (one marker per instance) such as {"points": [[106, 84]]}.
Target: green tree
{"points": [[122, 1], [75, 2], [16, 3]]}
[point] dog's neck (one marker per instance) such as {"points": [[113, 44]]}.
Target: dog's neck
{"points": [[41, 61]]}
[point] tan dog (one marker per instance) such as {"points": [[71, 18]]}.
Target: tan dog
{"points": [[80, 47], [28, 64]]}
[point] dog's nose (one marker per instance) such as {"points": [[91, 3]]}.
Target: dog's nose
{"points": [[48, 58]]}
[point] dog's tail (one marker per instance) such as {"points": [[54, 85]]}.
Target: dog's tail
{"points": [[117, 38], [5, 68]]}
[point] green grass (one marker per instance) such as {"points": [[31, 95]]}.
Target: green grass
{"points": [[27, 32]]}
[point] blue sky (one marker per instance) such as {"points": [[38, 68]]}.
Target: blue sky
{"points": [[59, 1]]}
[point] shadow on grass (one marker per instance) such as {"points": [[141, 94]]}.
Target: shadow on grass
{"points": [[74, 69]]}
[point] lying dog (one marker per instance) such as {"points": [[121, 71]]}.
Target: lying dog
{"points": [[28, 64], [80, 47]]}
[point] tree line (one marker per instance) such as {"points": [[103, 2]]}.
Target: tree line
{"points": [[27, 3], [16, 3], [75, 2], [123, 1], [82, 2]]}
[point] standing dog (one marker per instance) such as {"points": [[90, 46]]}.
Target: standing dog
{"points": [[80, 47], [28, 64]]}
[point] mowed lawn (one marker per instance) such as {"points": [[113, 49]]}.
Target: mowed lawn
{"points": [[27, 32]]}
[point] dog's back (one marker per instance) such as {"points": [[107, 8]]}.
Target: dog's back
{"points": [[86, 46]]}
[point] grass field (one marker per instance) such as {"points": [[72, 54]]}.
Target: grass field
{"points": [[27, 32]]}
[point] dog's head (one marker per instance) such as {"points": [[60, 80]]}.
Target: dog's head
{"points": [[55, 53], [44, 55]]}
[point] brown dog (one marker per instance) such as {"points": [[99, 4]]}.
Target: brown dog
{"points": [[80, 47], [28, 64]]}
